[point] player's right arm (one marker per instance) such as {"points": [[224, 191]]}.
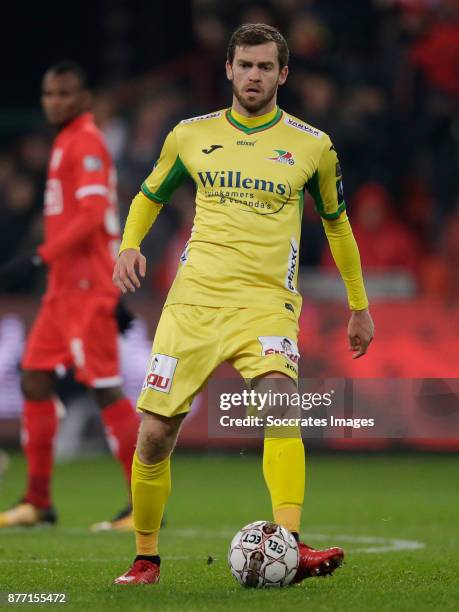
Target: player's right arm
{"points": [[168, 173]]}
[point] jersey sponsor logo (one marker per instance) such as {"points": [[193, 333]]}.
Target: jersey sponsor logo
{"points": [[235, 179], [56, 159], [92, 163], [211, 149], [54, 200], [283, 157], [160, 374], [280, 345], [303, 127], [202, 117], [246, 143], [291, 266], [289, 306]]}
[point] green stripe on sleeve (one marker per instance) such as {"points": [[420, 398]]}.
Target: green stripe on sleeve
{"points": [[336, 214], [175, 177], [150, 195], [313, 187]]}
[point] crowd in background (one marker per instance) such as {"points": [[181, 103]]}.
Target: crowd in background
{"points": [[380, 76]]}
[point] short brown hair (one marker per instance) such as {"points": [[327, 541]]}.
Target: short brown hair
{"points": [[251, 34]]}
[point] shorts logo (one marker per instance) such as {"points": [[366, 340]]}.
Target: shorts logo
{"points": [[280, 345], [160, 373], [283, 157], [184, 255]]}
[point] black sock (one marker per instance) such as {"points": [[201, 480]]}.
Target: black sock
{"points": [[153, 558], [296, 535]]}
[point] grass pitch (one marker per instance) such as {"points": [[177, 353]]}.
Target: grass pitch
{"points": [[395, 515]]}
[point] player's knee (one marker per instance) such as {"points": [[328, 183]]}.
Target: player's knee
{"points": [[36, 385], [157, 437], [277, 391]]}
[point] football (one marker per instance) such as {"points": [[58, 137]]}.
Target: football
{"points": [[263, 554]]}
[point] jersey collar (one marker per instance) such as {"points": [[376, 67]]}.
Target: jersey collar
{"points": [[247, 127], [79, 122]]}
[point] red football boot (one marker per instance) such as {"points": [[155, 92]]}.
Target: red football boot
{"points": [[141, 571], [317, 562]]}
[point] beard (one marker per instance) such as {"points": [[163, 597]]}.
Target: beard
{"points": [[253, 106]]}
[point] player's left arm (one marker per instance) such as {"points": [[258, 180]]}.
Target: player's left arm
{"points": [[92, 191], [326, 187], [167, 174]]}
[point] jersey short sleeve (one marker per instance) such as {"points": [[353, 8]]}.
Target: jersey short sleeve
{"points": [[326, 184], [168, 172], [92, 167]]}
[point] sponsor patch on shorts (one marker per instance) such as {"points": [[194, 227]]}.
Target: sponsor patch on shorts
{"points": [[280, 345], [160, 373]]}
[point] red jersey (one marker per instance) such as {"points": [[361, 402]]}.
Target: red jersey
{"points": [[81, 218]]}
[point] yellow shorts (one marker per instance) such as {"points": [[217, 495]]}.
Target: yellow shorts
{"points": [[192, 341]]}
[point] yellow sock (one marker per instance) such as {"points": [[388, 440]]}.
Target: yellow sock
{"points": [[150, 487], [285, 472]]}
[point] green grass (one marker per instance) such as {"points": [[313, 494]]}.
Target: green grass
{"points": [[349, 499]]}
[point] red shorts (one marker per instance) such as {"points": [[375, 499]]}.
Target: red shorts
{"points": [[79, 330]]}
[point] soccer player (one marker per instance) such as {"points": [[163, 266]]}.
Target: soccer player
{"points": [[76, 325], [235, 295]]}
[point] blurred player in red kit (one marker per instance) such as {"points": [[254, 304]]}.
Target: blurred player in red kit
{"points": [[76, 325]]}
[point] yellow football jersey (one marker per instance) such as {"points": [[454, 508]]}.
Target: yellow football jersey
{"points": [[244, 246]]}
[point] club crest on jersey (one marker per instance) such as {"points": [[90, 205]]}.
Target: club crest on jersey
{"points": [[283, 157], [161, 372], [280, 345]]}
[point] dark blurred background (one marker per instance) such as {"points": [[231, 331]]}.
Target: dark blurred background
{"points": [[380, 76]]}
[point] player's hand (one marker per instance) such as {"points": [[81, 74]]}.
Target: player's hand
{"points": [[130, 263], [22, 265], [360, 331]]}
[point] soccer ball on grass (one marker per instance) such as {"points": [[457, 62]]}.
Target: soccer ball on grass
{"points": [[263, 554]]}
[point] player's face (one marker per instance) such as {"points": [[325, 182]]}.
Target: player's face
{"points": [[63, 98], [256, 75]]}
